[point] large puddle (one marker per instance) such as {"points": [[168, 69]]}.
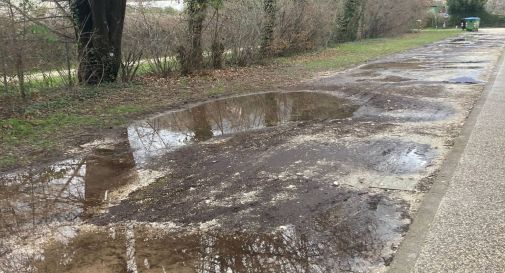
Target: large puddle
{"points": [[230, 116], [78, 188]]}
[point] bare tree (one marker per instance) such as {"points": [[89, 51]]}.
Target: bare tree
{"points": [[15, 41]]}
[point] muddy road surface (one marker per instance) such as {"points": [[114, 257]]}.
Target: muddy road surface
{"points": [[325, 176]]}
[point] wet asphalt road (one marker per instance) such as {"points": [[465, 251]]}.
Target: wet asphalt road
{"points": [[323, 177]]}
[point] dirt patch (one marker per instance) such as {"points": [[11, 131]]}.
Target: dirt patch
{"points": [[266, 163]]}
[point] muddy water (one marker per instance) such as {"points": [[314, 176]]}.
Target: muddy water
{"points": [[465, 80], [70, 190], [76, 188], [230, 116], [329, 242]]}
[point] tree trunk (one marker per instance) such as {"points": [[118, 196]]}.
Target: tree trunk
{"points": [[270, 12], [194, 58], [217, 46], [99, 30], [4, 77], [20, 74]]}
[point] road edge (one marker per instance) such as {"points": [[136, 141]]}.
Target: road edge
{"points": [[406, 257]]}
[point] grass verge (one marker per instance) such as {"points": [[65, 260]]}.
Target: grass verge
{"points": [[352, 53]]}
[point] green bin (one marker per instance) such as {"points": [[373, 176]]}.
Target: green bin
{"points": [[472, 23]]}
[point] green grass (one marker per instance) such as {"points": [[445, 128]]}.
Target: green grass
{"points": [[36, 135], [42, 133], [35, 86], [37, 132], [117, 115], [352, 53], [125, 109]]}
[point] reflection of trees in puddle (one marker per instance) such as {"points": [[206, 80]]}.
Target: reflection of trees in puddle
{"points": [[37, 202], [44, 204], [354, 234], [160, 135], [30, 199], [285, 250], [33, 203], [240, 114], [357, 235], [106, 170]]}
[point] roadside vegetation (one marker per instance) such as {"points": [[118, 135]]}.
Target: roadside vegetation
{"points": [[352, 53], [67, 80]]}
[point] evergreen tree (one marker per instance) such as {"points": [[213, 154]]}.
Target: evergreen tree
{"points": [[466, 7]]}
